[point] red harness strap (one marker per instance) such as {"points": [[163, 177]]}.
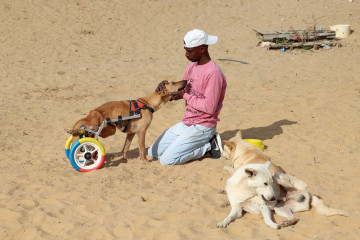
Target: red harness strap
{"points": [[135, 107]]}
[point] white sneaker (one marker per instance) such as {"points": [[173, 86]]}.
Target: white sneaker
{"points": [[216, 146]]}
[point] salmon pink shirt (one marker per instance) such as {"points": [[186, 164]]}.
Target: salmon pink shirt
{"points": [[204, 94]]}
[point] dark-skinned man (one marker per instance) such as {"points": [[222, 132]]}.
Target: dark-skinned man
{"points": [[204, 93]]}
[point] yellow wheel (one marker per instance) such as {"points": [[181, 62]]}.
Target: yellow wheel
{"points": [[87, 154]]}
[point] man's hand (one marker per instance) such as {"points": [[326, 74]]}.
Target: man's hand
{"points": [[176, 95], [161, 87]]}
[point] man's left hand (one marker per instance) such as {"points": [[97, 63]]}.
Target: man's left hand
{"points": [[176, 95]]}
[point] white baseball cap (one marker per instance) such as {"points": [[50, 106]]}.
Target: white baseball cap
{"points": [[196, 37]]}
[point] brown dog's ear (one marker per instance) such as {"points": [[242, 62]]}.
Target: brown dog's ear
{"points": [[250, 172], [231, 145], [164, 93]]}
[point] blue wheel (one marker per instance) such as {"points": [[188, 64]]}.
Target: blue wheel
{"points": [[87, 154]]}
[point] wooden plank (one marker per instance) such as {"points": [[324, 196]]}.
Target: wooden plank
{"points": [[300, 44], [269, 36]]}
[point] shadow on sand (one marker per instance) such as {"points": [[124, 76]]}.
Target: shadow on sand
{"points": [[115, 159], [262, 133]]}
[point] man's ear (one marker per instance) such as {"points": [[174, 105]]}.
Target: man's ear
{"points": [[231, 145], [203, 48]]}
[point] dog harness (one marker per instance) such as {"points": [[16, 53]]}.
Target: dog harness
{"points": [[134, 112], [134, 109], [136, 106]]}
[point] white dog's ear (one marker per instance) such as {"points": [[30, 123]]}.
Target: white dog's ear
{"points": [[231, 145], [250, 172], [267, 164], [238, 134], [283, 180]]}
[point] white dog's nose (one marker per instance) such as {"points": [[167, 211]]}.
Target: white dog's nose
{"points": [[301, 198]]}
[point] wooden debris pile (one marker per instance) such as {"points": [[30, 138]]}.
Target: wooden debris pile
{"points": [[307, 39]]}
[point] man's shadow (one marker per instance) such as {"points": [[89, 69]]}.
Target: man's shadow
{"points": [[262, 133]]}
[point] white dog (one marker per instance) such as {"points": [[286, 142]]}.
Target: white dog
{"points": [[291, 194], [295, 197], [251, 188]]}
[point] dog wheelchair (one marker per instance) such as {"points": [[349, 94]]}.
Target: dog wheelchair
{"points": [[88, 153]]}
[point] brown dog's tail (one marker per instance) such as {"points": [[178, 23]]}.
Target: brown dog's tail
{"points": [[322, 209], [75, 132], [91, 119]]}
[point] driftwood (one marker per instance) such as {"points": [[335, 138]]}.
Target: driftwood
{"points": [[295, 35], [300, 44], [297, 38]]}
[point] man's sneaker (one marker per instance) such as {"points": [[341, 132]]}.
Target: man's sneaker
{"points": [[216, 146]]}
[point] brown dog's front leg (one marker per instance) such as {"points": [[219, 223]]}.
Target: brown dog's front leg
{"points": [[141, 140], [129, 137]]}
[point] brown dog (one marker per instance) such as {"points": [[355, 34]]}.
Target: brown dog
{"points": [[139, 126]]}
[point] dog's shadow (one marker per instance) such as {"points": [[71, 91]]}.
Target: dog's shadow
{"points": [[262, 133], [115, 159]]}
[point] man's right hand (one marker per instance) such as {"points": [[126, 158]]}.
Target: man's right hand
{"points": [[161, 87]]}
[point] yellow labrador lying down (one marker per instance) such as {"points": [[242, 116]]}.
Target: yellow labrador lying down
{"points": [[257, 186]]}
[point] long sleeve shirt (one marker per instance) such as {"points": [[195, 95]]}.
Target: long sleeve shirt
{"points": [[204, 94]]}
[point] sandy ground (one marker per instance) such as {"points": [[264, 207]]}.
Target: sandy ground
{"points": [[60, 59]]}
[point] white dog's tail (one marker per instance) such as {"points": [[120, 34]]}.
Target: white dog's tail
{"points": [[322, 209]]}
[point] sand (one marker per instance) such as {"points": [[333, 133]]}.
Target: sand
{"points": [[60, 59]]}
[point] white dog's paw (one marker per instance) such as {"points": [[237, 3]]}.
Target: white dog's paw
{"points": [[274, 225], [289, 222], [222, 224]]}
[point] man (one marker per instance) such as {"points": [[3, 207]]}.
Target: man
{"points": [[204, 94]]}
